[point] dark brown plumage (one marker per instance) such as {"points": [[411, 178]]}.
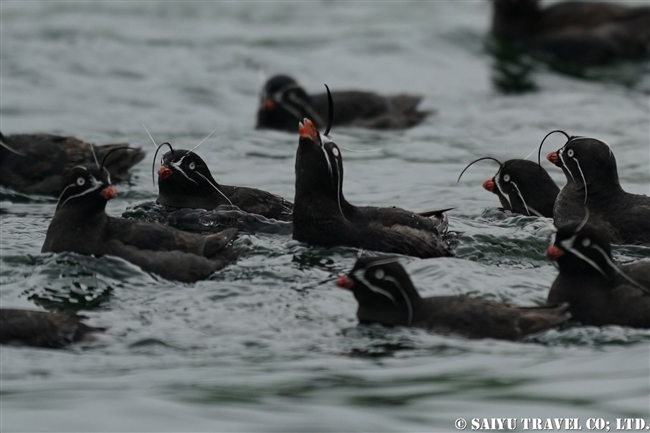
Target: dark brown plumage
{"points": [[592, 181], [322, 215], [43, 160], [284, 103], [42, 329], [598, 294], [585, 33], [387, 296], [80, 224], [522, 187], [185, 181]]}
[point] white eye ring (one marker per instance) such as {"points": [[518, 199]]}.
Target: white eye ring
{"points": [[81, 181], [586, 242], [335, 151], [192, 166], [379, 274], [570, 153], [506, 178]]}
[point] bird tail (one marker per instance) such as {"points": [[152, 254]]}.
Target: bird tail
{"points": [[538, 319]]}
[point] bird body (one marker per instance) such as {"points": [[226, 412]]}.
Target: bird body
{"points": [[42, 329], [522, 187], [284, 103], [185, 181], [387, 296], [585, 33], [80, 224], [592, 182], [598, 291], [38, 163], [322, 215]]}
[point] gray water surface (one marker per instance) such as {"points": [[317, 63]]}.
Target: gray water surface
{"points": [[270, 343]]}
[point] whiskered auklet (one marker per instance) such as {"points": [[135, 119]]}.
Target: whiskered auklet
{"points": [[80, 224], [185, 181], [572, 32], [387, 296], [38, 163], [522, 187], [322, 215], [284, 103], [598, 291], [592, 181]]}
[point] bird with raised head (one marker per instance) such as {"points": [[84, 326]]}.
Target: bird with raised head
{"points": [[322, 215]]}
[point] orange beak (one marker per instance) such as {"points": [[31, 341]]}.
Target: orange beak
{"points": [[488, 185], [108, 193], [164, 172], [345, 282], [268, 105], [554, 252], [552, 157], [306, 129]]}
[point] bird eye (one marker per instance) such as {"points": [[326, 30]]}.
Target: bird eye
{"points": [[570, 153], [192, 166], [379, 274], [335, 151], [81, 181], [586, 242], [506, 178]]}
